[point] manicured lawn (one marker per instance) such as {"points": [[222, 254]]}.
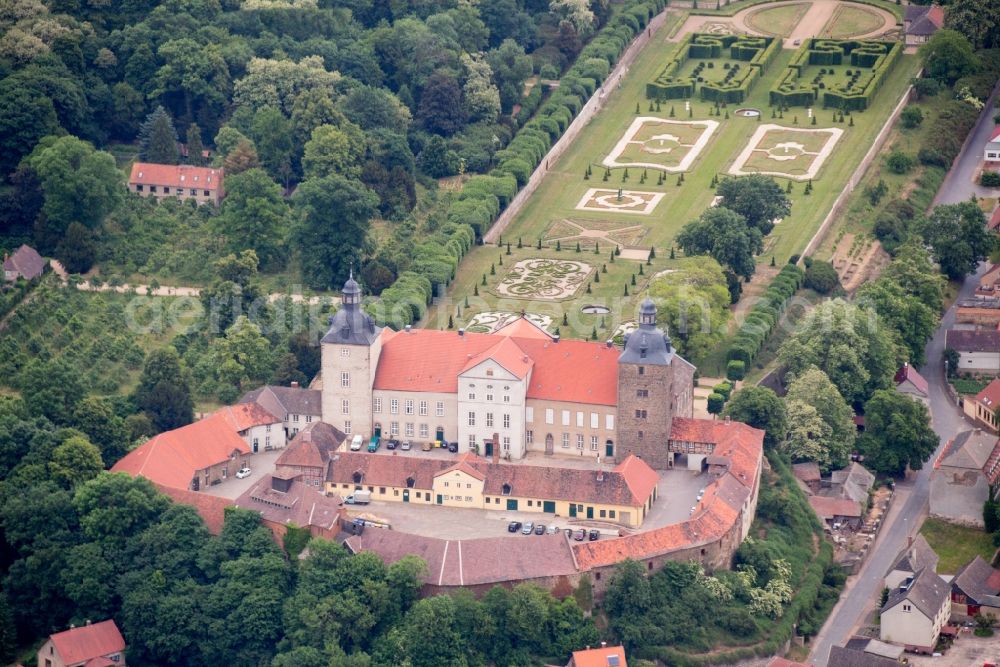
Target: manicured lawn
{"points": [[778, 21], [554, 203], [956, 545], [848, 21]]}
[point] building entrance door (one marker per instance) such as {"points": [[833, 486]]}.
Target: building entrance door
{"points": [[590, 512], [406, 495], [572, 510], [439, 434], [549, 443], [487, 448], [609, 449]]}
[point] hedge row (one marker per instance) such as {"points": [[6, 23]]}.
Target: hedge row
{"points": [[474, 210], [763, 317], [878, 57], [758, 52]]}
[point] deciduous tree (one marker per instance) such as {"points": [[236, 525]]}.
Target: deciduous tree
{"points": [[761, 408], [814, 388], [757, 198], [958, 238], [897, 433], [725, 235]]}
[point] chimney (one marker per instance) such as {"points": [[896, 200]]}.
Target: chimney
{"points": [[88, 621], [408, 328], [555, 339], [461, 332], [496, 448], [727, 420], [295, 384], [609, 343], [604, 644]]}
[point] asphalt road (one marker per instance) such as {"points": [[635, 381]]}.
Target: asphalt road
{"points": [[910, 507]]}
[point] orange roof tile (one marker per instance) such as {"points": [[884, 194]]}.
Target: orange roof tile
{"points": [[174, 457], [464, 465], [211, 509], [522, 327], [247, 415], [176, 176], [641, 479], [88, 641], [506, 353], [598, 657], [427, 360], [990, 395], [827, 508]]}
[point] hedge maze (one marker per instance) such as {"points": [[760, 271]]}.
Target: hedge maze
{"points": [[843, 74], [718, 68]]}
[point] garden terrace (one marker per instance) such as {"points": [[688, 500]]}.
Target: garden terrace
{"points": [[842, 74], [719, 68]]}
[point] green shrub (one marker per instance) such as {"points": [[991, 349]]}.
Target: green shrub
{"points": [[899, 162], [990, 179], [735, 370], [911, 117]]}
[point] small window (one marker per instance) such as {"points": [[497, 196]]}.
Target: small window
{"points": [[345, 380], [381, 490], [642, 370], [611, 514], [439, 409], [408, 407], [194, 193], [603, 514], [138, 188], [423, 408], [377, 405], [529, 436], [565, 440], [489, 372], [207, 193], [472, 418], [152, 188], [394, 406], [529, 503]]}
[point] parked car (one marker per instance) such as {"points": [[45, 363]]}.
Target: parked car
{"points": [[513, 526], [540, 529], [594, 535], [569, 532], [243, 472], [405, 446], [453, 447], [374, 443], [528, 528], [580, 535], [359, 497], [356, 443], [551, 530], [392, 444]]}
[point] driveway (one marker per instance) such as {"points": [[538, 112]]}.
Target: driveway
{"points": [[260, 464], [967, 650]]}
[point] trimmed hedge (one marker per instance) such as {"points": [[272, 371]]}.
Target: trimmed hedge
{"points": [[757, 52], [474, 210], [873, 59], [762, 318]]}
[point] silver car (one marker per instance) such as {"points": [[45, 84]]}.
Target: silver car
{"points": [[405, 446], [529, 528]]}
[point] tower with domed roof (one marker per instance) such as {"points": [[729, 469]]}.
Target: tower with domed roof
{"points": [[349, 356], [655, 384]]}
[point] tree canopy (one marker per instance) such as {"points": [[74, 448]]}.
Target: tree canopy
{"points": [[958, 237], [759, 199]]}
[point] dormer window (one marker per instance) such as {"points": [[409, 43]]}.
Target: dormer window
{"points": [[410, 481], [358, 476], [505, 490]]}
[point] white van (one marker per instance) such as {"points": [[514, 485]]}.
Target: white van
{"points": [[356, 443]]}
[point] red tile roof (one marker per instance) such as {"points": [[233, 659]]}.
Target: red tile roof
{"points": [[967, 340], [990, 395], [995, 134], [908, 372], [640, 478], [994, 221], [211, 509], [739, 443], [26, 262], [464, 465], [247, 415], [311, 447], [88, 641], [827, 508], [506, 353], [427, 360], [100, 662], [598, 657], [176, 176], [301, 504], [173, 458], [522, 327]]}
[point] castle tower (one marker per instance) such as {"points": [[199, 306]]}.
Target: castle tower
{"points": [[646, 392], [349, 356]]}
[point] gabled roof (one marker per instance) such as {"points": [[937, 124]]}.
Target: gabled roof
{"points": [[463, 465], [907, 372], [287, 400], [176, 176], [640, 478], [978, 581], [841, 656], [969, 449], [927, 592], [916, 556], [966, 340], [995, 134], [301, 504], [26, 262], [828, 508], [522, 327], [855, 481], [806, 472], [506, 353], [605, 656], [924, 20], [312, 446], [174, 457], [243, 416], [990, 395], [88, 641]]}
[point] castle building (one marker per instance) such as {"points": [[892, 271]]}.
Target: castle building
{"points": [[505, 393]]}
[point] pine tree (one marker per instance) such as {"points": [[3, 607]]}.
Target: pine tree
{"points": [[593, 334], [597, 277], [851, 124], [539, 242], [671, 252], [588, 288], [484, 280], [565, 320], [508, 247], [788, 188], [493, 268], [451, 322], [194, 145], [641, 273], [672, 114], [578, 246], [475, 288], [597, 247], [637, 107], [626, 290], [518, 242], [680, 179], [772, 260], [651, 107], [814, 119], [612, 256], [466, 300], [501, 259], [558, 246], [604, 268], [158, 138], [633, 280], [500, 241], [652, 252]]}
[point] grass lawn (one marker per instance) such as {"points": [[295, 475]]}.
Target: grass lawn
{"points": [[848, 21], [556, 199], [967, 386], [778, 21], [956, 545]]}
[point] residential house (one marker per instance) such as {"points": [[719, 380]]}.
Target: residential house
{"points": [[975, 589], [991, 152], [978, 350], [308, 453], [983, 408], [621, 495], [852, 483], [297, 407], [916, 556], [922, 21], [837, 513], [808, 474], [962, 476], [195, 456], [90, 645], [981, 311], [25, 263], [876, 648], [605, 656], [283, 501], [259, 428], [916, 611], [908, 381], [204, 185], [844, 656], [989, 283]]}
